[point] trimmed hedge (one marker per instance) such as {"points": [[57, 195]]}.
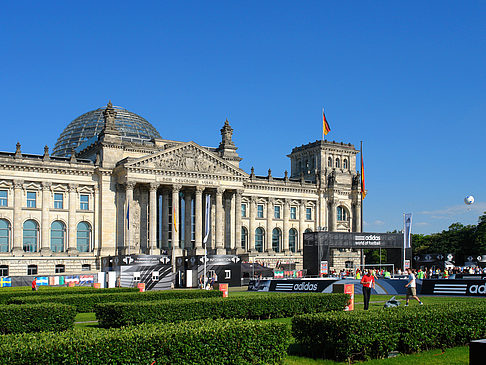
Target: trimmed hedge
{"points": [[202, 342], [86, 302], [252, 307], [36, 318], [7, 295], [364, 335]]}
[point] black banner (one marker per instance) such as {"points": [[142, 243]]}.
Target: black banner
{"points": [[291, 286], [460, 287]]}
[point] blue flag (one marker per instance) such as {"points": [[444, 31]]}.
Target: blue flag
{"points": [[128, 216], [407, 229], [208, 219]]}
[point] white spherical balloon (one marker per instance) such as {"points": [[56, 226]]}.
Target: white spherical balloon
{"points": [[469, 200]]}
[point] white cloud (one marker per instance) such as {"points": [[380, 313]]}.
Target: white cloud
{"points": [[454, 210], [421, 223]]}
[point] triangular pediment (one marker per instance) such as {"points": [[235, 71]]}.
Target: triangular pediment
{"points": [[187, 157]]}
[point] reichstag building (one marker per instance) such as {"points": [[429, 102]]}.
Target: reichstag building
{"points": [[112, 185]]}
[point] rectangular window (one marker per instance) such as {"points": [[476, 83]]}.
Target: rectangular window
{"points": [[31, 199], [277, 212], [86, 267], [243, 210], [260, 211], [3, 270], [3, 198], [293, 213], [58, 201], [60, 269], [32, 270], [84, 199], [308, 214]]}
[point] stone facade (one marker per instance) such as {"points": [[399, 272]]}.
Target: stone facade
{"points": [[114, 196]]}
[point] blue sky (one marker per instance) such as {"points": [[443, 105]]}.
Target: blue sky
{"points": [[407, 78]]}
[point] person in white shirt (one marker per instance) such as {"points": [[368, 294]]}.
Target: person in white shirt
{"points": [[411, 288]]}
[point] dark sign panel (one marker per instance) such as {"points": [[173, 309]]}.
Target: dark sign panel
{"points": [[464, 287]]}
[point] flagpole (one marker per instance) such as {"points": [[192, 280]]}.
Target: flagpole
{"points": [[361, 200], [361, 195], [404, 240], [323, 126]]}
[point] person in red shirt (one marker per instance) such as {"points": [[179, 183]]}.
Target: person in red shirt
{"points": [[368, 281], [34, 284]]}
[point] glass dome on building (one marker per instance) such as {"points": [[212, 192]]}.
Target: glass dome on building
{"points": [[133, 128]]}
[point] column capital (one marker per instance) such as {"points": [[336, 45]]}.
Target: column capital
{"points": [[154, 186], [73, 188], [46, 185], [271, 200], [176, 187], [253, 199], [303, 202], [239, 192], [199, 189], [129, 185], [219, 191], [18, 184]]}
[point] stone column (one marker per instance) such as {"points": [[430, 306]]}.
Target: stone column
{"points": [[187, 219], [219, 222], [153, 218], [269, 228], [175, 217], [238, 221], [251, 233], [96, 229], [322, 210], [285, 233], [300, 240], [45, 229], [17, 245], [198, 207], [331, 214], [73, 200], [129, 245], [165, 219]]}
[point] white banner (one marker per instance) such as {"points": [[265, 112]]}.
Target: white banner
{"points": [[407, 229], [208, 219]]}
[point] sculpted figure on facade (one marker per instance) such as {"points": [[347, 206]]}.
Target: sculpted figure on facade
{"points": [[188, 160]]}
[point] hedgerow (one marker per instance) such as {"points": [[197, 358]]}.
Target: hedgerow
{"points": [[201, 342], [7, 294], [251, 307], [86, 302], [36, 318], [364, 335]]}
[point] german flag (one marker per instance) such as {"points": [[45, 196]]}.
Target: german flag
{"points": [[174, 219], [363, 191], [325, 126]]}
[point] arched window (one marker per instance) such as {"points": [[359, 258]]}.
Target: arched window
{"points": [[31, 235], [308, 230], [276, 238], [4, 235], [259, 234], [338, 163], [244, 237], [58, 236], [83, 237], [345, 163], [329, 162], [293, 239], [342, 214]]}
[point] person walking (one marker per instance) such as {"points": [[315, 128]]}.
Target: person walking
{"points": [[411, 288], [34, 284], [368, 281]]}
